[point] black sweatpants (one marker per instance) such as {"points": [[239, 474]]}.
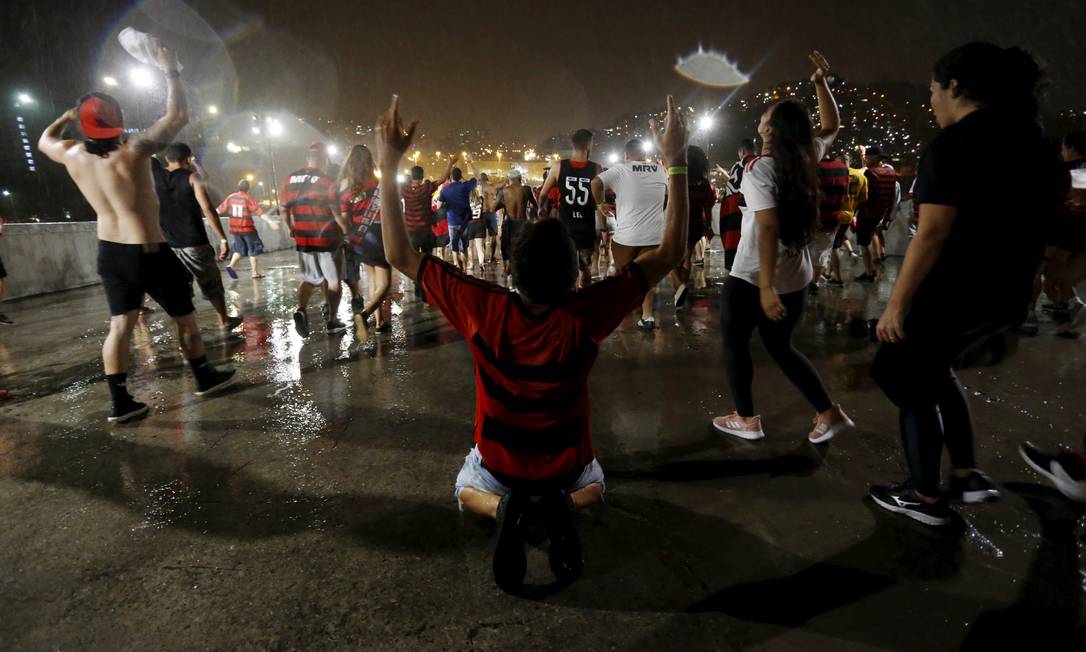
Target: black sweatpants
{"points": [[741, 313], [916, 374]]}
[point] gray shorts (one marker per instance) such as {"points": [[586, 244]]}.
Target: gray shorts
{"points": [[351, 271], [203, 264], [316, 267], [473, 474]]}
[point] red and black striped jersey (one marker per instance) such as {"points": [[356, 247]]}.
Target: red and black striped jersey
{"points": [[832, 190], [240, 207], [310, 196], [354, 205], [881, 181], [532, 417]]}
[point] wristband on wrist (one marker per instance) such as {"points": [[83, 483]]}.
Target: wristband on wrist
{"points": [[172, 74], [676, 170]]}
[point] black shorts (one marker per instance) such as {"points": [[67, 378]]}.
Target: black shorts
{"points": [[839, 237], [510, 229], [372, 251], [3, 272], [422, 240], [476, 229], [129, 271], [865, 231]]}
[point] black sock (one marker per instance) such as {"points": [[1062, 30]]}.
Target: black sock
{"points": [[118, 387], [201, 369]]}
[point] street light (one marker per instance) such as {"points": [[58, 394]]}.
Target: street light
{"points": [[647, 146], [612, 158], [24, 98], [110, 81], [249, 177], [274, 128], [213, 110], [706, 122], [11, 198], [333, 150], [256, 131]]}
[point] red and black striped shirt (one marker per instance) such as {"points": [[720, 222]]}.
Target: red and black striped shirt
{"points": [[240, 207], [833, 190], [881, 181], [310, 196], [531, 370]]}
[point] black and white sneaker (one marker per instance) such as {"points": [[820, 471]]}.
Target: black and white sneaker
{"points": [[1065, 470], [301, 323], [5, 320], [218, 380], [900, 499], [977, 488], [564, 554], [122, 411], [335, 326], [325, 311], [646, 324], [510, 562]]}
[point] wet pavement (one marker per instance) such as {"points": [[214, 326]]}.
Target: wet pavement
{"points": [[311, 507]]}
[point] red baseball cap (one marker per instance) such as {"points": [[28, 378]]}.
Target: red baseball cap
{"points": [[100, 116]]}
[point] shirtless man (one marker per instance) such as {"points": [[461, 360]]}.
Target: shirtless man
{"points": [[114, 175], [515, 199]]}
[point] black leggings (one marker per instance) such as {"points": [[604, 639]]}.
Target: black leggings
{"points": [[917, 375], [740, 313]]}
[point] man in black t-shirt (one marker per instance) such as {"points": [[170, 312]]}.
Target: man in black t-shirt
{"points": [[183, 206], [577, 207]]}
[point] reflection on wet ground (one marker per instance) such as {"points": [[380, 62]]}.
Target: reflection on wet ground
{"points": [[311, 507]]}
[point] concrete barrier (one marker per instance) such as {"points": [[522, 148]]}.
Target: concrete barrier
{"points": [[50, 257]]}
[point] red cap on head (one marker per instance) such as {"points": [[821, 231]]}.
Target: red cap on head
{"points": [[317, 147], [100, 117]]}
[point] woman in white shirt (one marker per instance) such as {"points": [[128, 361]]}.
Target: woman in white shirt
{"points": [[772, 268]]}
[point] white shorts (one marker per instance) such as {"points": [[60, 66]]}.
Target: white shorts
{"points": [[473, 474], [820, 246], [317, 267]]}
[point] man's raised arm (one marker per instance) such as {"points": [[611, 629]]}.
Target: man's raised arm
{"points": [[163, 131], [51, 144], [392, 141], [671, 142]]}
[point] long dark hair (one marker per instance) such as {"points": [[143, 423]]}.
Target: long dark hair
{"points": [[1006, 79], [697, 164], [792, 146], [358, 169]]}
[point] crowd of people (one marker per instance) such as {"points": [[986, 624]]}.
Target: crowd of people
{"points": [[589, 247]]}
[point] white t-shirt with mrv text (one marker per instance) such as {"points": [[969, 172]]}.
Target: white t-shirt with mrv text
{"points": [[639, 188]]}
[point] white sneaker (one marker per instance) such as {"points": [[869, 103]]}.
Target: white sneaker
{"points": [[733, 424]]}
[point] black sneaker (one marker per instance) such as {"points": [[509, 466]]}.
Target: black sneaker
{"points": [[812, 289], [5, 320], [680, 295], [325, 311], [865, 278], [123, 411], [357, 304], [335, 326], [977, 488], [1065, 470], [646, 324], [901, 499], [301, 323], [564, 554], [383, 328], [510, 563], [835, 283], [232, 323], [217, 380]]}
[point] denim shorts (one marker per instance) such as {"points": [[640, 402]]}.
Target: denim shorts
{"points": [[458, 237], [473, 474]]}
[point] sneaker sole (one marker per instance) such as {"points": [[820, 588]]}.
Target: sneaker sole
{"points": [[131, 415], [833, 431], [1063, 483], [221, 386], [980, 496], [231, 273], [300, 328], [920, 517], [337, 330], [742, 434]]}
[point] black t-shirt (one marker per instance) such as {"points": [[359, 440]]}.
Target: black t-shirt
{"points": [[1003, 178], [179, 213]]}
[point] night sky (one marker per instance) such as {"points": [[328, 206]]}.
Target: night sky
{"points": [[529, 70]]}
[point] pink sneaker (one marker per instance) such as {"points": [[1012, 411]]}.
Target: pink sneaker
{"points": [[825, 429], [742, 427]]}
